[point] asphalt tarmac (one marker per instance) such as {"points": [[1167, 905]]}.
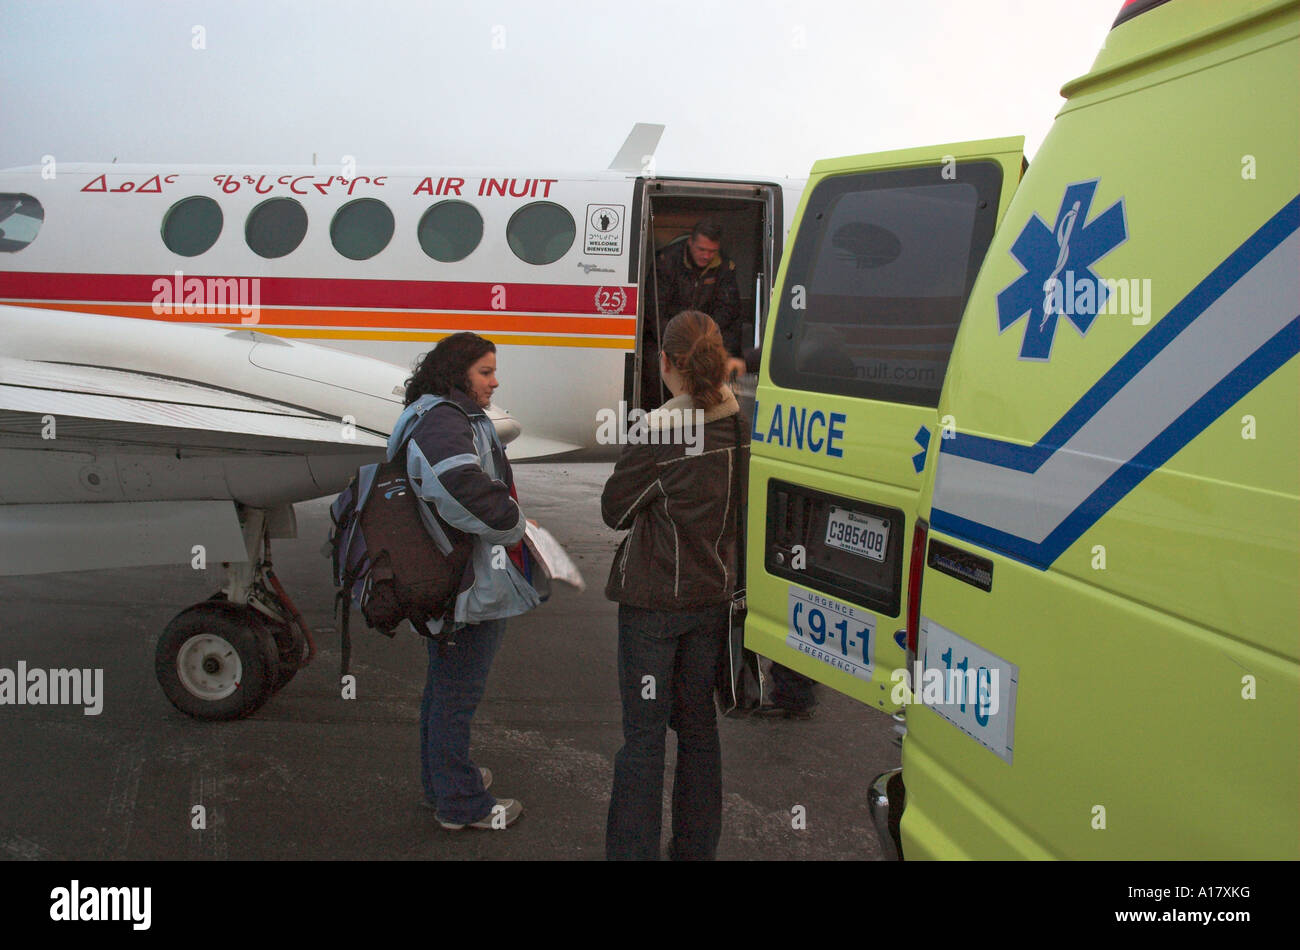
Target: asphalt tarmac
{"points": [[314, 776]]}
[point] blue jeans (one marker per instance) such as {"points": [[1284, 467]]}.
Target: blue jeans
{"points": [[458, 673], [680, 651]]}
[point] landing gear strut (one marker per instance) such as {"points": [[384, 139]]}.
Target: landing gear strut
{"points": [[223, 658]]}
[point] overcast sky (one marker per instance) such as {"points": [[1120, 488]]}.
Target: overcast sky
{"points": [[763, 87]]}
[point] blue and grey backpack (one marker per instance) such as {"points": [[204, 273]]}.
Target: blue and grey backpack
{"points": [[384, 559]]}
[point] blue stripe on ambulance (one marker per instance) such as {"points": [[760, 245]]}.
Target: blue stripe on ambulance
{"points": [[958, 510]]}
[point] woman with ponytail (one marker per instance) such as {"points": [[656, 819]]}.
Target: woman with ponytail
{"points": [[680, 491]]}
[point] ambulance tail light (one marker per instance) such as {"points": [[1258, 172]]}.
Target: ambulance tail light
{"points": [[920, 533]]}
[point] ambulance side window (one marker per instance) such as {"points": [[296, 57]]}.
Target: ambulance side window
{"points": [[879, 276], [20, 220]]}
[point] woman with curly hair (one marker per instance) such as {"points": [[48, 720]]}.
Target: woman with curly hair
{"points": [[457, 465]]}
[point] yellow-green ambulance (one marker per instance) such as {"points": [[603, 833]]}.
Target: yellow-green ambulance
{"points": [[1082, 575]]}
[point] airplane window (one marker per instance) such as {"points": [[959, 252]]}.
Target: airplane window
{"points": [[192, 225], [541, 232], [275, 227], [450, 230], [20, 219], [361, 228]]}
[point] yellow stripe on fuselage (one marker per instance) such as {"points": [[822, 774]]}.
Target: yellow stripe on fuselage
{"points": [[433, 336]]}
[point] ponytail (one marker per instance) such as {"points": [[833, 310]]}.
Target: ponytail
{"points": [[693, 344]]}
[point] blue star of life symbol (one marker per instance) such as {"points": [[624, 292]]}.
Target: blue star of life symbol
{"points": [[1057, 263], [922, 438]]}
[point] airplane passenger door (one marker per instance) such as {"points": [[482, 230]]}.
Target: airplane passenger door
{"points": [[749, 214]]}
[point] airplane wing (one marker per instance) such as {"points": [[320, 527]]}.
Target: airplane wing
{"points": [[103, 467], [532, 448], [104, 404], [130, 442]]}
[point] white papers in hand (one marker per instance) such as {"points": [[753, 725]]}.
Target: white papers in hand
{"points": [[552, 557]]}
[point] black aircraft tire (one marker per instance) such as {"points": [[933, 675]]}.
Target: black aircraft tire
{"points": [[216, 661], [290, 645], [288, 648]]}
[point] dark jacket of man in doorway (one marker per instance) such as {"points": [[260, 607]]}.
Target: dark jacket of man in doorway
{"points": [[689, 275]]}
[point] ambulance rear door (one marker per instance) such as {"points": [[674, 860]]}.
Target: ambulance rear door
{"points": [[885, 251]]}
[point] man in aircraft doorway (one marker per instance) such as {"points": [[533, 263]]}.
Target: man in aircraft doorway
{"points": [[689, 275]]}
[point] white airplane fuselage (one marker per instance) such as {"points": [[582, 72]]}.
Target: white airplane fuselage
{"points": [[382, 263]]}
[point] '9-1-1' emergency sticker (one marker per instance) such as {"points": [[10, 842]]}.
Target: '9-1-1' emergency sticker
{"points": [[838, 634]]}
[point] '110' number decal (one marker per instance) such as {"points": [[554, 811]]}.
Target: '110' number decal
{"points": [[983, 687]]}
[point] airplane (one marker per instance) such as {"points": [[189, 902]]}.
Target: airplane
{"points": [[168, 391], [384, 262]]}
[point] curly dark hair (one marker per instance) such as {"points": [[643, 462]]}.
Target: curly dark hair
{"points": [[446, 366]]}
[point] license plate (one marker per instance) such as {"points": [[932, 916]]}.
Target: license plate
{"points": [[973, 689], [857, 533], [840, 635]]}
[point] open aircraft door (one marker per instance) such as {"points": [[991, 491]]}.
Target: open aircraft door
{"points": [[885, 250], [751, 216]]}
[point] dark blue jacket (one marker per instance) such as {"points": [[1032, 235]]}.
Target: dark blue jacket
{"points": [[456, 463]]}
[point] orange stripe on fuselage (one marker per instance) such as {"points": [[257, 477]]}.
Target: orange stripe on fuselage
{"points": [[322, 322]]}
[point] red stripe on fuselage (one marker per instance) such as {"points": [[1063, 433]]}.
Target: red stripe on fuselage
{"points": [[330, 292]]}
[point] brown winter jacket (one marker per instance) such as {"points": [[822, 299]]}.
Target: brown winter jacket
{"points": [[681, 508]]}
